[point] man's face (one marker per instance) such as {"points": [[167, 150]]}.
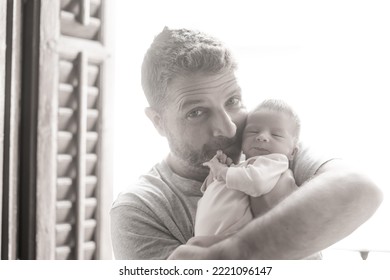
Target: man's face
{"points": [[268, 132], [204, 114]]}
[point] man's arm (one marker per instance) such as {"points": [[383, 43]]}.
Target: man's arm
{"points": [[323, 211], [136, 234]]}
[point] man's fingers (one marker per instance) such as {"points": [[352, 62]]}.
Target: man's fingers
{"points": [[205, 241], [188, 252]]}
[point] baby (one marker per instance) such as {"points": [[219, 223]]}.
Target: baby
{"points": [[233, 193]]}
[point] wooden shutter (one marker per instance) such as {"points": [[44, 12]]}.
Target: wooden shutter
{"points": [[73, 175], [10, 90], [3, 17]]}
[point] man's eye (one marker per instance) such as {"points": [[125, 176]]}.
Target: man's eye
{"points": [[233, 101], [195, 114]]}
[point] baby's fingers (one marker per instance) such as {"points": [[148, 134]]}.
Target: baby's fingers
{"points": [[221, 157], [229, 161]]}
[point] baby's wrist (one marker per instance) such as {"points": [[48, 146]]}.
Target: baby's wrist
{"points": [[223, 173]]}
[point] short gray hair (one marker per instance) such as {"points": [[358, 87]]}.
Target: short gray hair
{"points": [[180, 52]]}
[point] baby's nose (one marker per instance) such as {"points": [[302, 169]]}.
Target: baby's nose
{"points": [[262, 137]]}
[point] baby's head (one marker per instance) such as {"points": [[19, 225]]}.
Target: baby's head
{"points": [[272, 127]]}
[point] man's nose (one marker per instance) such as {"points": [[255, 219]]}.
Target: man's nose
{"points": [[262, 137], [224, 126]]}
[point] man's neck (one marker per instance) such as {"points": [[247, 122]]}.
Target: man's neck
{"points": [[183, 169]]}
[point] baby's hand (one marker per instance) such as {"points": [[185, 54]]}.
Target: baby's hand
{"points": [[218, 166], [223, 158]]}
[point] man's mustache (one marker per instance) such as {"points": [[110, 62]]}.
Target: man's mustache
{"points": [[221, 143]]}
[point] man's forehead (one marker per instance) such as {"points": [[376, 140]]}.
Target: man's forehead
{"points": [[195, 85], [194, 81]]}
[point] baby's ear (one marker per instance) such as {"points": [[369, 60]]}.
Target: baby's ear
{"points": [[293, 153], [156, 119]]}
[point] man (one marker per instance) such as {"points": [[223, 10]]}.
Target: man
{"points": [[195, 102]]}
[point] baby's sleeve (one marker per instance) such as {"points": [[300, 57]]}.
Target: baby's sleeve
{"points": [[258, 178]]}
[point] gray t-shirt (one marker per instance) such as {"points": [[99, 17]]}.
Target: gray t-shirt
{"points": [[157, 213]]}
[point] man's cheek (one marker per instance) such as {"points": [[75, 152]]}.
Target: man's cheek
{"points": [[240, 126]]}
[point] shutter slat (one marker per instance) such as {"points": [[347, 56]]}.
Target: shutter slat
{"points": [[65, 212], [91, 164], [93, 116], [65, 189], [92, 139], [69, 48], [64, 166], [64, 253], [90, 249], [93, 93], [64, 235], [93, 75], [67, 96], [74, 7], [66, 120], [91, 184], [65, 143], [70, 26], [90, 227], [67, 73]]}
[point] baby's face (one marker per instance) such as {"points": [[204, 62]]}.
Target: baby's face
{"points": [[268, 132]]}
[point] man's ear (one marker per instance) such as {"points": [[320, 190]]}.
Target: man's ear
{"points": [[156, 119]]}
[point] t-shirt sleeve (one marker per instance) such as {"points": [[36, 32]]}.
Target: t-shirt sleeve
{"points": [[138, 235], [307, 162]]}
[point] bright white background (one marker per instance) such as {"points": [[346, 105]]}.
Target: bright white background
{"points": [[329, 59]]}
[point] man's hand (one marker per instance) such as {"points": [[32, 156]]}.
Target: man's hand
{"points": [[209, 248], [197, 248], [283, 188], [189, 252], [206, 241]]}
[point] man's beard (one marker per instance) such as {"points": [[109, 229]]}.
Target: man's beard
{"points": [[196, 158]]}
